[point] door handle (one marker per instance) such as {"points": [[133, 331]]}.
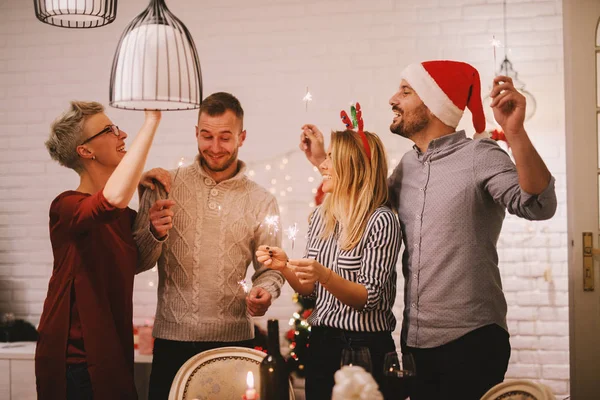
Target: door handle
{"points": [[588, 261]]}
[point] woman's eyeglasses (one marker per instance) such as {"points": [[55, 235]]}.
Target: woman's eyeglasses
{"points": [[108, 128]]}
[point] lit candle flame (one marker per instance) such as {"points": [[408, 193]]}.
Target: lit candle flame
{"points": [[250, 380]]}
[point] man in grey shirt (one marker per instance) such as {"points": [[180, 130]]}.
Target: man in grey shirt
{"points": [[451, 194]]}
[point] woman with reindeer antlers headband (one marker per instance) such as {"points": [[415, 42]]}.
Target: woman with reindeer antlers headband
{"points": [[350, 259]]}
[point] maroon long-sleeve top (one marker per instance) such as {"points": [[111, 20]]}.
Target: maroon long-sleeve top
{"points": [[88, 311]]}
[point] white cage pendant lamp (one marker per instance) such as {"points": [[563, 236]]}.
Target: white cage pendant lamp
{"points": [[76, 13], [156, 65]]}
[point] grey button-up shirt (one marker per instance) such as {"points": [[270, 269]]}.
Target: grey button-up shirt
{"points": [[451, 201]]}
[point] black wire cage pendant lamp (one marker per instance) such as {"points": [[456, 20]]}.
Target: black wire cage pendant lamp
{"points": [[506, 69], [156, 65], [76, 13]]}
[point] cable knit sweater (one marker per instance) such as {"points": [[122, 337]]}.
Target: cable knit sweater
{"points": [[216, 230]]}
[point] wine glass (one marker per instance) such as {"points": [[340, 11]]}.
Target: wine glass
{"points": [[359, 356], [399, 374]]}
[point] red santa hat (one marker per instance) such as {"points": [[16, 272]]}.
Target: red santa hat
{"points": [[446, 88]]}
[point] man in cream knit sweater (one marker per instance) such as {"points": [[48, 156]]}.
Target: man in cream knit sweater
{"points": [[204, 236]]}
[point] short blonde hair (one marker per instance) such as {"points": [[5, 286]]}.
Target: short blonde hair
{"points": [[66, 133], [361, 185]]}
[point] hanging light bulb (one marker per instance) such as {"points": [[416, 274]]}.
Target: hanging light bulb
{"points": [[506, 68], [76, 13], [156, 66]]}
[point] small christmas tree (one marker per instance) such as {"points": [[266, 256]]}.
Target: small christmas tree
{"points": [[298, 334]]}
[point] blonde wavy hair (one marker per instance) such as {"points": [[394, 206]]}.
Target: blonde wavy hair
{"points": [[360, 186]]}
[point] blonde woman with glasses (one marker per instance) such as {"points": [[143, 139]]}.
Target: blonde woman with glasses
{"points": [[350, 260], [85, 347]]}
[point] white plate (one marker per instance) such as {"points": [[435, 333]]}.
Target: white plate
{"points": [[519, 390], [218, 374]]}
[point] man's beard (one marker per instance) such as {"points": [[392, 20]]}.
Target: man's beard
{"points": [[417, 121], [206, 164]]}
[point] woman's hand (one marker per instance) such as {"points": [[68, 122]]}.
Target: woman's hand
{"points": [[509, 106], [156, 174], [312, 144], [272, 257], [310, 271]]}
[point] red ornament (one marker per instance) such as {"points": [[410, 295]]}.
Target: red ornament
{"points": [[290, 334], [498, 135], [307, 313], [136, 337]]}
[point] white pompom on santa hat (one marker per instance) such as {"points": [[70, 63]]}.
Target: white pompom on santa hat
{"points": [[447, 87]]}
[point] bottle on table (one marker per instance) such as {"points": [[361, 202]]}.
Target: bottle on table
{"points": [[274, 372]]}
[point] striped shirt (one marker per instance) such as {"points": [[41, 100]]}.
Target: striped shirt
{"points": [[451, 201], [372, 263]]}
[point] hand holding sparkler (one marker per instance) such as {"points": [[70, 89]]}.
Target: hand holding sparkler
{"points": [[161, 217], [270, 227], [312, 143], [258, 301], [272, 257]]}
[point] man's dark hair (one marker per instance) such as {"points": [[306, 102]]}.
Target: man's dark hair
{"points": [[217, 103]]}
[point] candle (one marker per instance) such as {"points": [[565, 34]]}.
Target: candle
{"points": [[250, 392]]}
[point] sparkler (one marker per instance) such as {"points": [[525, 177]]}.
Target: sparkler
{"points": [[307, 98]]}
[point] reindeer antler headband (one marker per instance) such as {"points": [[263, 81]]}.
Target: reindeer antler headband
{"points": [[358, 122]]}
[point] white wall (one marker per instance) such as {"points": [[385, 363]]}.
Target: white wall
{"points": [[267, 52]]}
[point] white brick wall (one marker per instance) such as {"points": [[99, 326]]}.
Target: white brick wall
{"points": [[266, 53]]}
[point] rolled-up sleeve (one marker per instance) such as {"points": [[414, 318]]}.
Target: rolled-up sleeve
{"points": [[380, 256], [496, 173]]}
